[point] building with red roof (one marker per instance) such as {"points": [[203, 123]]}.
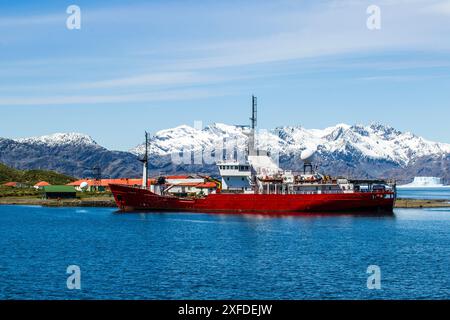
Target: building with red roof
{"points": [[41, 184], [176, 184], [14, 184], [11, 184], [103, 184]]}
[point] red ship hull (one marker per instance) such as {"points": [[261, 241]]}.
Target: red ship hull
{"points": [[134, 199]]}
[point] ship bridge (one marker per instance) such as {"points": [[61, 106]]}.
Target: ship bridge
{"points": [[236, 176]]}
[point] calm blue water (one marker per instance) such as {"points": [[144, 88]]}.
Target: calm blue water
{"points": [[425, 193], [202, 256]]}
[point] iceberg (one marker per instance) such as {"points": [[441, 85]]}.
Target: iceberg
{"points": [[424, 182]]}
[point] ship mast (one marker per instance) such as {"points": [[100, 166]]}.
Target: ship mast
{"points": [[253, 119], [145, 162]]}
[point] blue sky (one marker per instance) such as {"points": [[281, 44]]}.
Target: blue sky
{"points": [[150, 65]]}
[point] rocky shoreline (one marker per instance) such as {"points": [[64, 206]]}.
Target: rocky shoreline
{"points": [[86, 202], [418, 203]]}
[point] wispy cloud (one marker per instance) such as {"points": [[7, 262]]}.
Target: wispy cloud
{"points": [[27, 21], [439, 7], [186, 57], [168, 95], [155, 79], [147, 82], [329, 29], [402, 78]]}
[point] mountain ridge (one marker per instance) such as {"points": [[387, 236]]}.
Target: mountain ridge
{"points": [[360, 151], [401, 147]]}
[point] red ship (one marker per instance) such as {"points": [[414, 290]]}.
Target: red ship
{"points": [[258, 186]]}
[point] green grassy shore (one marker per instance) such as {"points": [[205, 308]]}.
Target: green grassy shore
{"points": [[27, 195]]}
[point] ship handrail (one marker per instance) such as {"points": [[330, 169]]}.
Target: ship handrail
{"points": [[333, 192]]}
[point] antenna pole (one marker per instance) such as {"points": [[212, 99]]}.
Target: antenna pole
{"points": [[253, 119], [145, 162], [97, 176], [254, 112]]}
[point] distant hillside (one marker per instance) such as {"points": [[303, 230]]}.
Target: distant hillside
{"points": [[8, 174], [71, 154], [31, 177]]}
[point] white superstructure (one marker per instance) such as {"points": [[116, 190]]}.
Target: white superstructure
{"points": [[259, 173]]}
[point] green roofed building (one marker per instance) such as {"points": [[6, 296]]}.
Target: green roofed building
{"points": [[59, 192]]}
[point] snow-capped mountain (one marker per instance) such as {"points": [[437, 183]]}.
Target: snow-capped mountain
{"points": [[358, 151], [375, 141], [166, 142], [58, 139]]}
